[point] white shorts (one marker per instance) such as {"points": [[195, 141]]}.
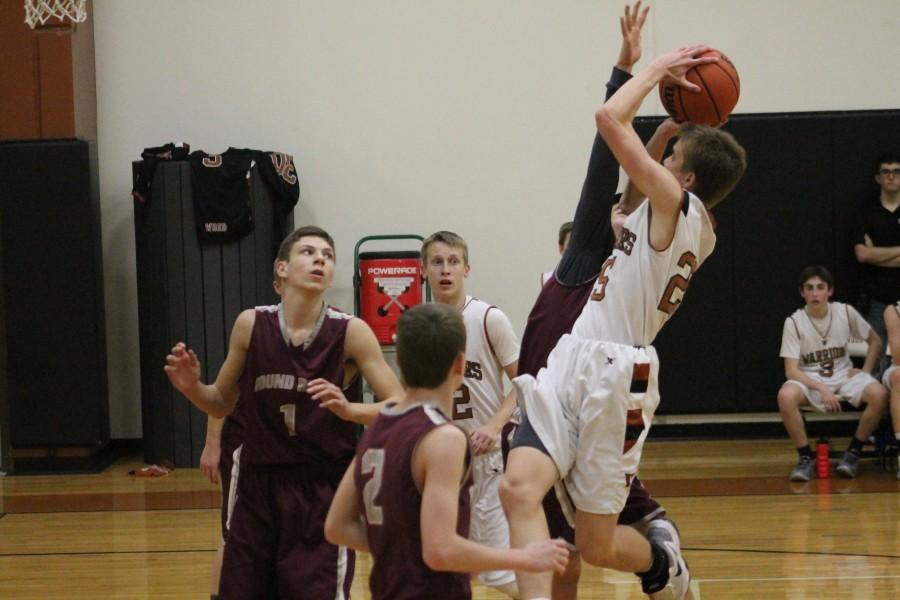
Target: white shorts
{"points": [[886, 377], [851, 390], [488, 525], [592, 407]]}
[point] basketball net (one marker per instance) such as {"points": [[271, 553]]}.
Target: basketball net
{"points": [[38, 12]]}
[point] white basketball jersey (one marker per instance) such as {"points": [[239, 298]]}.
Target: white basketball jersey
{"points": [[481, 393], [820, 347], [639, 288]]}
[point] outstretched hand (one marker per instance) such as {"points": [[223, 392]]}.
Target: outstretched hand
{"points": [[631, 24], [182, 368], [546, 555], [677, 63], [330, 396]]}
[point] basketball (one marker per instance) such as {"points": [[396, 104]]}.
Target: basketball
{"points": [[720, 88]]}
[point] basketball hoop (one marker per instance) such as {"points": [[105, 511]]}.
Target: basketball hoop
{"points": [[38, 12]]}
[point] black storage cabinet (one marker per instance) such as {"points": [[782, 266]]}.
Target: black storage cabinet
{"points": [[52, 327], [192, 293]]}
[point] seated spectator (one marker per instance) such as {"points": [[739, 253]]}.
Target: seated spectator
{"points": [[819, 372], [891, 378]]}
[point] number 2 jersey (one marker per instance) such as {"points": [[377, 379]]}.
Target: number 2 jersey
{"points": [[639, 287], [491, 344], [391, 503], [284, 425]]}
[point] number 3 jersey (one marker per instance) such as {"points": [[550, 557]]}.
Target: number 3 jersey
{"points": [[285, 426], [390, 502], [820, 345], [639, 287]]}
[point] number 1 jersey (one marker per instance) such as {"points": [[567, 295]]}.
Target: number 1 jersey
{"points": [[284, 425]]}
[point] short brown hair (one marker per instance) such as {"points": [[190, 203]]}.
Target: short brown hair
{"points": [[429, 338], [717, 160], [448, 237], [284, 250], [813, 271], [564, 230]]}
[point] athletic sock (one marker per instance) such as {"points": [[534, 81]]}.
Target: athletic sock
{"points": [[657, 576], [804, 451], [855, 446]]}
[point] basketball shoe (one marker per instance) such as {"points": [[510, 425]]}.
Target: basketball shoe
{"points": [[849, 465], [805, 469], [664, 533]]}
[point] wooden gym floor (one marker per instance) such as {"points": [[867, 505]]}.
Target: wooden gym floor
{"points": [[747, 531]]}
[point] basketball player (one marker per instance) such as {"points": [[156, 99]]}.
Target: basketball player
{"points": [[220, 460], [891, 377], [405, 497], [294, 365], [598, 219], [588, 412], [479, 406], [819, 372]]}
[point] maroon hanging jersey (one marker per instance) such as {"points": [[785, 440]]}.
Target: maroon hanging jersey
{"points": [[554, 312], [284, 426], [390, 502]]}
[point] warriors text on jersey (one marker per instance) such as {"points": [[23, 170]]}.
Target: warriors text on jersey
{"points": [[640, 287], [488, 350], [820, 345], [390, 503], [284, 424]]}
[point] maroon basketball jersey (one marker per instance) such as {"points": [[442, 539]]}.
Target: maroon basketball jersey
{"points": [[554, 312], [390, 502], [285, 426]]}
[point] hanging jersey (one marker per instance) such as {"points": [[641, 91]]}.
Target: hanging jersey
{"points": [[820, 345], [390, 504], [285, 426], [639, 288], [220, 184], [481, 392]]}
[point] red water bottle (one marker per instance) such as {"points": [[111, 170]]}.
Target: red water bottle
{"points": [[823, 465]]}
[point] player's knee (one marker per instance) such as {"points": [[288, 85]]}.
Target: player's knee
{"points": [[599, 555], [876, 397], [518, 493], [787, 399], [894, 380]]}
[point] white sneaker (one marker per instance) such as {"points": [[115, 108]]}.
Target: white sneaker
{"points": [[664, 533]]}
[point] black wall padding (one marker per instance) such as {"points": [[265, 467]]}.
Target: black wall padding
{"points": [[52, 290], [807, 175], [192, 293]]}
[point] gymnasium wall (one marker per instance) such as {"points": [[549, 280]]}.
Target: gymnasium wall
{"points": [[413, 115]]}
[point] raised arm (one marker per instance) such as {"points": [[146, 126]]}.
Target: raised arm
{"points": [[216, 399], [656, 147], [592, 236], [614, 122]]}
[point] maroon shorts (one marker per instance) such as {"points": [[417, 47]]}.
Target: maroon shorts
{"points": [[232, 438], [276, 543]]}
